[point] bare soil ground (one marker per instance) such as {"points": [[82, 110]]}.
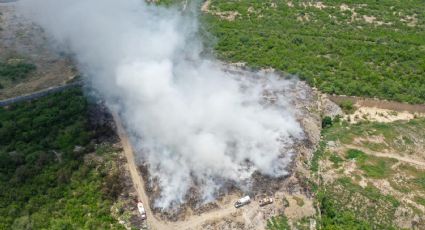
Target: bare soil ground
{"points": [[364, 113], [381, 104], [20, 39]]}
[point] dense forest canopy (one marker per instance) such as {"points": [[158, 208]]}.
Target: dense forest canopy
{"points": [[45, 183], [373, 49]]}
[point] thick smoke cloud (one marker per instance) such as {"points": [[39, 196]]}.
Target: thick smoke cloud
{"points": [[193, 122]]}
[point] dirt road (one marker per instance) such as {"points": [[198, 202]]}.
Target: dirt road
{"points": [[388, 155], [39, 94], [381, 104], [192, 222]]}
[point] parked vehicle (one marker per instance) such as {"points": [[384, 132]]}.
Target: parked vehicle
{"points": [[242, 201], [142, 210], [265, 201]]}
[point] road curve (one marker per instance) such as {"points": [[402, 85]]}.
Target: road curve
{"points": [[39, 94]]}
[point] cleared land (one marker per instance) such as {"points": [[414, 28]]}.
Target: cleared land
{"points": [[373, 49], [27, 63]]}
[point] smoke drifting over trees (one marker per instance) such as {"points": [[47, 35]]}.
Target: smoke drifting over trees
{"points": [[191, 121]]}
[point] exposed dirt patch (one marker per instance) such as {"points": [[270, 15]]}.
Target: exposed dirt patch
{"points": [[290, 4], [373, 20], [225, 15], [20, 39], [395, 182], [410, 20], [299, 206], [304, 18], [380, 115], [319, 5]]}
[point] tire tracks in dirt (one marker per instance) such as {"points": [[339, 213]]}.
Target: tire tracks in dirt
{"points": [[388, 155]]}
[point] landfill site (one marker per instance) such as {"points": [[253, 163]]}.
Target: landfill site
{"points": [[234, 208]]}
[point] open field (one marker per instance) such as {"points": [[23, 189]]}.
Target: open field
{"points": [[373, 49]]}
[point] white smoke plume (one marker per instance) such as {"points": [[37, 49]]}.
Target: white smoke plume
{"points": [[192, 121]]}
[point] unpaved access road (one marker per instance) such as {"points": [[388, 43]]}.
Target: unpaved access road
{"points": [[192, 222], [387, 155]]}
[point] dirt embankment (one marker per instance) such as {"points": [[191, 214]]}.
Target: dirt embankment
{"points": [[381, 104], [369, 109]]}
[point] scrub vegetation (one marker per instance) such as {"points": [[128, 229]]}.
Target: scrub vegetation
{"points": [[14, 71], [366, 182], [278, 223], [373, 49], [45, 178]]}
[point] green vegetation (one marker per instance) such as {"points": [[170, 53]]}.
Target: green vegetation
{"points": [[377, 167], [45, 182], [318, 154], [15, 71], [373, 49], [299, 201], [420, 181], [370, 192], [356, 154], [333, 218], [420, 200], [326, 122], [397, 136], [347, 106], [344, 204], [278, 223], [336, 160]]}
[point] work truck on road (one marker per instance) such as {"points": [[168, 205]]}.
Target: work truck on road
{"points": [[242, 201], [142, 210]]}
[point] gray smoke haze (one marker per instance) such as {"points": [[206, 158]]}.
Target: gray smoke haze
{"points": [[191, 121]]}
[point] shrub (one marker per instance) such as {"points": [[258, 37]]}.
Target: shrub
{"points": [[278, 223], [326, 122], [15, 71], [355, 154], [347, 106]]}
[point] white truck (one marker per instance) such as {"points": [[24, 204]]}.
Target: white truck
{"points": [[142, 210], [242, 201]]}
